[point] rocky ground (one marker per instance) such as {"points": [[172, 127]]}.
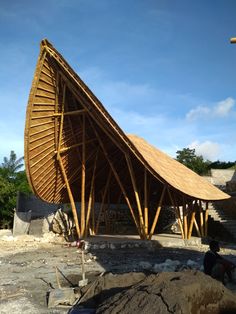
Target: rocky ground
{"points": [[28, 266]]}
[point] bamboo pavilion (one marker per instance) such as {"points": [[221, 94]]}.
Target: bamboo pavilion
{"points": [[76, 152]]}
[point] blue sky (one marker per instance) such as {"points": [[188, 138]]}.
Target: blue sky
{"points": [[165, 70]]}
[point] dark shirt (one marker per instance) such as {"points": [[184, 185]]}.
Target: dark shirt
{"points": [[210, 259]]}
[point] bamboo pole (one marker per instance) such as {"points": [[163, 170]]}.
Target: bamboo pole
{"points": [[70, 113], [191, 224], [73, 207], [103, 201], [117, 178], [206, 219], [90, 196], [157, 213], [83, 170], [201, 219], [145, 202], [178, 214], [185, 220], [131, 171], [197, 228]]}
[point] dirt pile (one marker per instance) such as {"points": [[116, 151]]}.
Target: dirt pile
{"points": [[173, 292]]}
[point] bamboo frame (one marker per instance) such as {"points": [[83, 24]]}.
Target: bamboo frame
{"points": [[72, 202], [201, 219], [145, 202], [103, 201], [157, 213], [197, 228], [191, 223], [90, 196], [185, 218], [178, 214], [117, 178], [131, 171], [206, 219], [83, 179]]}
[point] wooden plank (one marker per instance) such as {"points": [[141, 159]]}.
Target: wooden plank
{"points": [[131, 171], [157, 213]]}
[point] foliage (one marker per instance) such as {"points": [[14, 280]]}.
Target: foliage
{"points": [[196, 163], [12, 180], [223, 165]]}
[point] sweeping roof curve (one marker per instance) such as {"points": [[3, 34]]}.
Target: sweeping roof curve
{"points": [[160, 165]]}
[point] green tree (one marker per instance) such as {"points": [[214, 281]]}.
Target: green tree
{"points": [[12, 180], [188, 157]]}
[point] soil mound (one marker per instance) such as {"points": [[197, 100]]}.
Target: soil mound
{"points": [[175, 292]]}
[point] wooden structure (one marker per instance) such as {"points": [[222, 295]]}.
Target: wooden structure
{"points": [[75, 152]]}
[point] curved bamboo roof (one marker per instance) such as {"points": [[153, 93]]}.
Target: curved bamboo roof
{"points": [[65, 121], [176, 174]]}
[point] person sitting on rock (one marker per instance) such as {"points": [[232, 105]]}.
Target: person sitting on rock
{"points": [[215, 265]]}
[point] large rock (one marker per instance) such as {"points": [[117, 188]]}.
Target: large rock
{"points": [[189, 292]]}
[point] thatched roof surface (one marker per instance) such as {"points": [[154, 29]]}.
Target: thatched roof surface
{"points": [[176, 174], [56, 88]]}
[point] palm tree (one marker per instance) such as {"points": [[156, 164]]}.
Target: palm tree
{"points": [[11, 166]]}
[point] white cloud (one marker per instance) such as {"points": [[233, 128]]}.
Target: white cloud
{"points": [[221, 109], [209, 150], [198, 112], [224, 107]]}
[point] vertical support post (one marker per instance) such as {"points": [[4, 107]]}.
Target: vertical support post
{"points": [[191, 223], [185, 218], [73, 207], [103, 201], [145, 202], [157, 213], [206, 219], [178, 214], [117, 178], [201, 219], [83, 169], [131, 171], [90, 196]]}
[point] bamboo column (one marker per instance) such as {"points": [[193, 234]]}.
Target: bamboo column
{"points": [[103, 201], [91, 196], [157, 214], [73, 207], [201, 219], [117, 178], [178, 214], [145, 202], [206, 219], [131, 171], [83, 170], [191, 222], [185, 218]]}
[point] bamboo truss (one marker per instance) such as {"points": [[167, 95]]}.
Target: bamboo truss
{"points": [[75, 151]]}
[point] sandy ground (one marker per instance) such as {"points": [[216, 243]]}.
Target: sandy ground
{"points": [[28, 267]]}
